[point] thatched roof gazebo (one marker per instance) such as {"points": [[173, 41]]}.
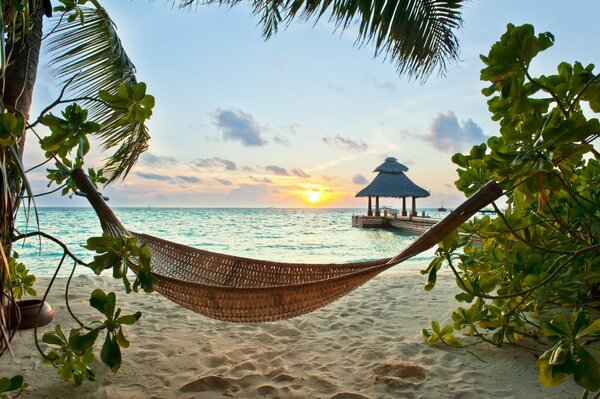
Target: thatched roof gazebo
{"points": [[391, 182]]}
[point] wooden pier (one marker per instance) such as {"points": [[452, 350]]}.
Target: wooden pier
{"points": [[411, 224]]}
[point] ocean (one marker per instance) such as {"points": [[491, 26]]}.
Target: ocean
{"points": [[283, 235]]}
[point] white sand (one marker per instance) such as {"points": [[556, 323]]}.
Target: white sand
{"points": [[366, 345]]}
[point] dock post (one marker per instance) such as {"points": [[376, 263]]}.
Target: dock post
{"points": [[369, 208]]}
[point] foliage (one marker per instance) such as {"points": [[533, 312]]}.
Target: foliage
{"points": [[538, 259], [107, 102], [118, 253], [72, 355], [68, 133], [11, 384], [105, 67], [21, 282], [417, 35]]}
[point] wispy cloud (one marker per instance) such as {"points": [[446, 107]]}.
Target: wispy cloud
{"points": [[264, 180], [224, 182], [149, 158], [382, 85], [299, 173], [447, 134], [189, 179], [215, 163], [239, 126], [154, 176], [336, 88], [345, 143], [281, 140], [277, 170], [360, 179]]}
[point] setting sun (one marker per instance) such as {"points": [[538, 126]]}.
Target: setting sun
{"points": [[312, 196]]}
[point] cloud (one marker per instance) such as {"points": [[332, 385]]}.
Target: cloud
{"points": [[247, 194], [154, 176], [387, 85], [448, 135], [360, 179], [215, 163], [279, 171], [345, 143], [265, 180], [336, 88], [151, 159], [239, 126], [299, 173], [189, 179], [281, 140], [224, 182]]}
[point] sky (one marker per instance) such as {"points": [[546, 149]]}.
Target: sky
{"points": [[301, 120]]}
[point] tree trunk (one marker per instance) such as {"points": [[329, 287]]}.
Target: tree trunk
{"points": [[18, 82]]}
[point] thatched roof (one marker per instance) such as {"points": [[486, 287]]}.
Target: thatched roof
{"points": [[392, 182], [391, 165]]}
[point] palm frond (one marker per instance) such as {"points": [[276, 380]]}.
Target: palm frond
{"points": [[94, 52], [417, 35]]}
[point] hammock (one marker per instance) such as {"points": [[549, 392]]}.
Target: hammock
{"points": [[245, 290]]}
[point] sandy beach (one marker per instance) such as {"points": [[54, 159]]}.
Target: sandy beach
{"points": [[366, 345]]}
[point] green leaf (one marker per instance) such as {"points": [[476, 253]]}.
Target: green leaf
{"points": [[99, 300], [12, 384], [559, 353], [111, 353], [431, 279], [593, 330], [80, 343], [52, 339], [548, 377], [587, 370], [129, 319], [121, 340]]}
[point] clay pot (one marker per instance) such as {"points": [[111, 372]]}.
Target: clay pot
{"points": [[29, 312]]}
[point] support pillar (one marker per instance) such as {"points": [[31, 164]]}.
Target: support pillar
{"points": [[414, 206], [369, 208], [403, 206], [377, 212]]}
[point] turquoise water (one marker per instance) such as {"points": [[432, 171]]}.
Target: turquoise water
{"points": [[283, 235]]}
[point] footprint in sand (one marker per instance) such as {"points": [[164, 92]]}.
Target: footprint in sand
{"points": [[399, 374]]}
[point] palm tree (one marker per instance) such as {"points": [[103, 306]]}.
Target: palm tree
{"points": [[418, 35]]}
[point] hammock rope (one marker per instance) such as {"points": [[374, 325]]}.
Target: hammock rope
{"points": [[245, 290]]}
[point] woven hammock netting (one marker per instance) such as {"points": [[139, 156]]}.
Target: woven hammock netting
{"points": [[246, 290]]}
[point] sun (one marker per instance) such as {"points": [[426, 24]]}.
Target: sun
{"points": [[312, 196]]}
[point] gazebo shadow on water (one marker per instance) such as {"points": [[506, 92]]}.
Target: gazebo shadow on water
{"points": [[391, 182]]}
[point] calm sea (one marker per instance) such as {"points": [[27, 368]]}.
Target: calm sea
{"points": [[284, 235]]}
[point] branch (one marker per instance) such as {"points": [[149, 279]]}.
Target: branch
{"points": [[54, 239], [575, 195], [38, 165], [578, 96], [48, 192], [35, 331], [524, 241], [507, 296], [547, 90]]}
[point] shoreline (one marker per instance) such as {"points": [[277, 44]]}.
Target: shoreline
{"points": [[366, 345]]}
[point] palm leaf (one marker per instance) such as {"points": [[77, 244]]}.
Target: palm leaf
{"points": [[93, 52], [417, 35]]}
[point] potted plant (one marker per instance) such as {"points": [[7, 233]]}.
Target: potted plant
{"points": [[23, 313]]}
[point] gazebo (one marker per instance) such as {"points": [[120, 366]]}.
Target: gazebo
{"points": [[391, 182]]}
